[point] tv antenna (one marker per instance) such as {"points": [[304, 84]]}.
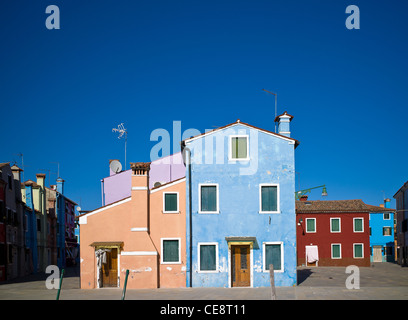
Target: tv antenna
{"points": [[276, 104], [122, 133]]}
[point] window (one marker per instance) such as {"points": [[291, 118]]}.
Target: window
{"points": [[336, 251], [170, 202], [386, 216], [238, 148], [386, 231], [310, 224], [273, 254], [10, 182], [335, 225], [358, 251], [358, 224], [269, 198], [38, 224], [208, 197], [207, 257], [170, 251]]}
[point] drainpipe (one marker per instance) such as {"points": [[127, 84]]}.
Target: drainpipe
{"points": [[190, 225]]}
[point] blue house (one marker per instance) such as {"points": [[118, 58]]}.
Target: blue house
{"points": [[30, 227], [240, 186], [382, 233]]}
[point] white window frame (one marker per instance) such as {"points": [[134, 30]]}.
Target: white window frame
{"points": [[216, 257], [331, 228], [315, 224], [362, 250], [335, 244], [389, 216], [161, 251], [199, 198], [277, 195], [230, 158], [354, 225], [264, 256], [164, 202], [387, 235]]}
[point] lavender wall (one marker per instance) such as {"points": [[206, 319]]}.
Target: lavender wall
{"points": [[118, 186]]}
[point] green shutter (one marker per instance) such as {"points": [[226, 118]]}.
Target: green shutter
{"points": [[335, 224], [358, 251], [273, 256], [239, 148], [170, 202], [170, 251], [310, 225], [208, 198], [207, 258], [336, 251], [358, 225], [269, 198]]}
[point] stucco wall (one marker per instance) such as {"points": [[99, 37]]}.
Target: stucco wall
{"points": [[271, 161]]}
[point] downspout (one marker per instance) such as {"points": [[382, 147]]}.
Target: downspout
{"points": [[190, 226]]}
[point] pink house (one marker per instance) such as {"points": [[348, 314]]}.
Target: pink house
{"points": [[143, 233]]}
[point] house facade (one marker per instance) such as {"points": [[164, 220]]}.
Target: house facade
{"points": [[401, 198], [143, 233], [333, 233], [240, 184], [382, 248]]}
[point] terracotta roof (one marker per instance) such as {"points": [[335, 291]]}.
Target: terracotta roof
{"points": [[245, 124], [337, 206], [3, 164]]}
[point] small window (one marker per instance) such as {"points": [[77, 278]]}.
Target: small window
{"points": [[386, 231], [171, 202], [239, 147], [38, 224], [269, 198], [208, 198], [10, 182], [358, 224], [358, 251], [310, 224], [336, 251], [335, 225], [386, 216], [273, 254], [207, 257], [170, 251]]}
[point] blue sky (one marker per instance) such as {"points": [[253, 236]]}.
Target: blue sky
{"points": [[205, 63]]}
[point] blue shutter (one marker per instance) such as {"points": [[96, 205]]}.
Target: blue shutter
{"points": [[208, 198]]}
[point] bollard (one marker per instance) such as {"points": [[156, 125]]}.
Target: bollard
{"points": [[60, 284], [124, 287], [272, 275]]}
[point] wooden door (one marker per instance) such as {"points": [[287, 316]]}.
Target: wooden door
{"points": [[240, 266], [110, 269], [377, 254]]}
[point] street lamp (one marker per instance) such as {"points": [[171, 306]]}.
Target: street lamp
{"points": [[299, 194]]}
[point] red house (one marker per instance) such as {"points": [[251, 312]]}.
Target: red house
{"points": [[332, 233]]}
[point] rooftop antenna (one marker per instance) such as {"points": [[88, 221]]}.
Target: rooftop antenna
{"points": [[122, 133], [58, 176], [276, 104], [22, 162], [49, 175]]}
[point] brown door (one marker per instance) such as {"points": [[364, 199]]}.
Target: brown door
{"points": [[110, 269], [240, 265]]}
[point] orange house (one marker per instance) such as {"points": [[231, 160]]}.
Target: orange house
{"points": [[144, 233]]}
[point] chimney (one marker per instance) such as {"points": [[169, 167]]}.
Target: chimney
{"points": [[60, 185], [387, 203], [16, 172], [303, 198], [40, 179], [140, 194], [283, 121]]}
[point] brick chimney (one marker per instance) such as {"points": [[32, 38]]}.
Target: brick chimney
{"points": [[303, 198], [283, 121], [140, 194]]}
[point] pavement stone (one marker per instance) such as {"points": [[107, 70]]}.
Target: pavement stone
{"points": [[381, 281]]}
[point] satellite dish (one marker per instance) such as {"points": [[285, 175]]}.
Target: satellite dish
{"points": [[79, 209], [115, 166]]}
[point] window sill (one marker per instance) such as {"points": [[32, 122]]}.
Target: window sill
{"points": [[269, 212]]}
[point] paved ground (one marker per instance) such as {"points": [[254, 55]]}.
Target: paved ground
{"points": [[386, 281]]}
